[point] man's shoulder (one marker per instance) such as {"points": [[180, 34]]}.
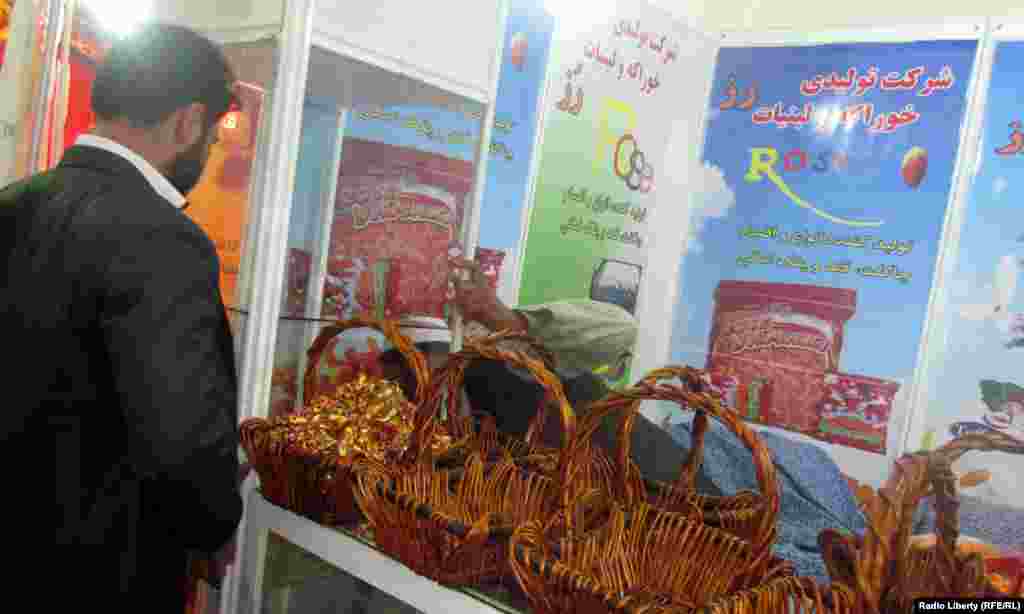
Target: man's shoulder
{"points": [[131, 218], [36, 185]]}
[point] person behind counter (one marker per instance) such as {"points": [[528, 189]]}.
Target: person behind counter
{"points": [[584, 335]]}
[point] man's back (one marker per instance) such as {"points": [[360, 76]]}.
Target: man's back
{"points": [[121, 375]]}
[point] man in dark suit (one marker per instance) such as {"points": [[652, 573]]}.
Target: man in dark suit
{"points": [[121, 401]]}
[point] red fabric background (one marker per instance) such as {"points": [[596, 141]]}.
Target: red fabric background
{"points": [[80, 115]]}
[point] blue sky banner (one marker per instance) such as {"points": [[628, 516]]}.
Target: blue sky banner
{"points": [[813, 241], [975, 381]]}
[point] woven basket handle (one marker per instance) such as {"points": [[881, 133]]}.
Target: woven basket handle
{"points": [[447, 383], [390, 329], [689, 396], [943, 481]]}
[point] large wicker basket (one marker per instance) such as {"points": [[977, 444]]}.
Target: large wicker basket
{"points": [[453, 524], [653, 560], [748, 515], [318, 485], [531, 450], [880, 572]]}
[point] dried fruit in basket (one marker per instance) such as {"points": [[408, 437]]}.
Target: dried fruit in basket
{"points": [[367, 415]]}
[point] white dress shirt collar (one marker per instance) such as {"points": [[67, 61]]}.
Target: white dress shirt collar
{"points": [[160, 183]]}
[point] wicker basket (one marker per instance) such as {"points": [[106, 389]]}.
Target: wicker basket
{"points": [[748, 515], [880, 572], [655, 560], [530, 451], [316, 484], [453, 524]]}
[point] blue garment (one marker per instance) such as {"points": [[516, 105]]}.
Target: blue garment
{"points": [[814, 494]]}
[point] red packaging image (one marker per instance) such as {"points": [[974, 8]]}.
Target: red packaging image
{"points": [[757, 398], [341, 287], [398, 211], [297, 274], [780, 336], [725, 386], [490, 261], [855, 411]]}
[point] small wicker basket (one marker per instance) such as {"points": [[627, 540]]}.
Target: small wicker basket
{"points": [[880, 572], [452, 523], [748, 515], [316, 483]]}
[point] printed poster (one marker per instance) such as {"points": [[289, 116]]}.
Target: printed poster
{"points": [[611, 96], [528, 35], [455, 133], [976, 382], [806, 278]]}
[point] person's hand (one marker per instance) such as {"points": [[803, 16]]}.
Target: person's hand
{"points": [[477, 301]]}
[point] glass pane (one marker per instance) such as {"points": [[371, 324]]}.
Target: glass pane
{"points": [[220, 203], [296, 581], [379, 198]]}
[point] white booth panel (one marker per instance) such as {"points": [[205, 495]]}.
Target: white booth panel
{"points": [[670, 220], [343, 82], [226, 20], [456, 51]]}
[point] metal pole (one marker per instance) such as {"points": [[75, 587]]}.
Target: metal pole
{"points": [[470, 230], [271, 202], [322, 240], [41, 106]]}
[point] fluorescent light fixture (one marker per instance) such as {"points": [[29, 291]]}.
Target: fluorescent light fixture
{"points": [[120, 17]]}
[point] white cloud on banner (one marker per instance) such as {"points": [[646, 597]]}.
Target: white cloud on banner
{"points": [[999, 186], [713, 198]]}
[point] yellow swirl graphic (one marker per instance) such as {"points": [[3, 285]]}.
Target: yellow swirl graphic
{"points": [[762, 162]]}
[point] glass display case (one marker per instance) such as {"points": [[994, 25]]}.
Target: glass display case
{"points": [[384, 182], [353, 157]]}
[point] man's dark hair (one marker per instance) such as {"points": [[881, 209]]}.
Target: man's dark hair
{"points": [[159, 69]]}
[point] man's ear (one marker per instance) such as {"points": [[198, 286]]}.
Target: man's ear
{"points": [[188, 124]]}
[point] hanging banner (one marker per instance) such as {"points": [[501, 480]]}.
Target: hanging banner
{"points": [[976, 382], [610, 103], [528, 35], [814, 236]]}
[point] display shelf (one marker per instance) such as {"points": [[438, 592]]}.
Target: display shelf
{"points": [[287, 551]]}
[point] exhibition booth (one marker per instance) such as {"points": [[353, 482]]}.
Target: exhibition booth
{"points": [[790, 211]]}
